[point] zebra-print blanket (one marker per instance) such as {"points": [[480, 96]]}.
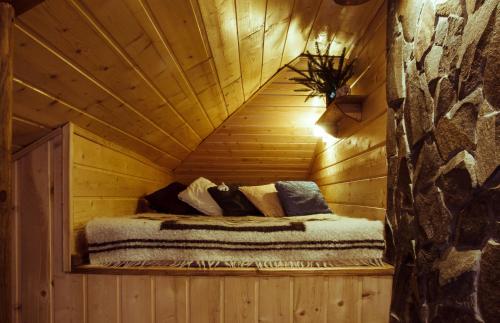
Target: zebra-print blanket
{"points": [[322, 240]]}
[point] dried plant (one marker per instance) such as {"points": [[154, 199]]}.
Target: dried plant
{"points": [[322, 78]]}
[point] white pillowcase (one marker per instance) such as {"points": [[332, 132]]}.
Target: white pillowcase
{"points": [[196, 195]]}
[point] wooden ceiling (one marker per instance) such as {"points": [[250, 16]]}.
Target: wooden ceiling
{"points": [[270, 138], [160, 76]]}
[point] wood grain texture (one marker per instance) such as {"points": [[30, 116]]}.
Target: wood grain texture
{"points": [[240, 299], [270, 138], [107, 180], [35, 225], [274, 305], [48, 294], [351, 171], [160, 76], [309, 299], [6, 222], [344, 299]]}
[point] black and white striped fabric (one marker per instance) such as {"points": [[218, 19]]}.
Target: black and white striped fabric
{"points": [[322, 240]]}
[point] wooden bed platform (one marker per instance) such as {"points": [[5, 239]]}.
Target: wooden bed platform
{"points": [[71, 176]]}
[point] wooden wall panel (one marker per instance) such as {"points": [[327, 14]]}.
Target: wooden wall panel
{"points": [[103, 303], [351, 170], [48, 294], [310, 296], [107, 180], [270, 138], [171, 299], [344, 299], [34, 180], [274, 306], [136, 299], [160, 76], [240, 299], [206, 299]]}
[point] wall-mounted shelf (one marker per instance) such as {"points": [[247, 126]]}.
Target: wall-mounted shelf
{"points": [[348, 106]]}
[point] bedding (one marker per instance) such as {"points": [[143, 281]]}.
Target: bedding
{"points": [[265, 198], [165, 200], [232, 201], [151, 239], [301, 198], [196, 195]]}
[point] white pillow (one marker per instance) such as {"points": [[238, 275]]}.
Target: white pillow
{"points": [[198, 197]]}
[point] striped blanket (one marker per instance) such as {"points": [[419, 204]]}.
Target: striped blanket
{"points": [[322, 240]]}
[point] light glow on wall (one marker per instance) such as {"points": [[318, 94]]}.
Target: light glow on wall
{"points": [[320, 132]]}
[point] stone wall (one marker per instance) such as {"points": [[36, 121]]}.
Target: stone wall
{"points": [[443, 140]]}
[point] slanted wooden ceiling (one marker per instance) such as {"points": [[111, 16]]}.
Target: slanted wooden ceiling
{"points": [[270, 138], [159, 76]]}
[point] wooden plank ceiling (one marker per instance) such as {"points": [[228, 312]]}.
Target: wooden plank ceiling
{"points": [[158, 77]]}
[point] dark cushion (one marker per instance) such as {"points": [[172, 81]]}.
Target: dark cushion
{"points": [[301, 198], [165, 200], [233, 202]]}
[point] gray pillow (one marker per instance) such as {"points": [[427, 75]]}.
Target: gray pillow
{"points": [[301, 198]]}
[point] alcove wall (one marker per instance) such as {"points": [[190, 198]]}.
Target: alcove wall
{"points": [[442, 147]]}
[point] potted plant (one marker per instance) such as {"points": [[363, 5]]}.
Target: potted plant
{"points": [[322, 78]]}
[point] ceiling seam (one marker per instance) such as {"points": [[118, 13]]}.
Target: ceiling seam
{"points": [[287, 31], [175, 60], [312, 27], [30, 122], [209, 51], [239, 49], [72, 107], [263, 45], [214, 67], [66, 60], [118, 49]]}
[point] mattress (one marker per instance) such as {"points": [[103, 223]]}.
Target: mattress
{"points": [[321, 240]]}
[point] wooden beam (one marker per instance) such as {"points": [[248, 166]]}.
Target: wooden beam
{"points": [[21, 6], [6, 23]]}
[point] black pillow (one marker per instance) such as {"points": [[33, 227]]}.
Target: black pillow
{"points": [[233, 202], [301, 198], [165, 200]]}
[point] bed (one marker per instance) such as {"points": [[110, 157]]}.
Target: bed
{"points": [[151, 239]]}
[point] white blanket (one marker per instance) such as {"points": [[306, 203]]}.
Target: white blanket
{"points": [[322, 240]]}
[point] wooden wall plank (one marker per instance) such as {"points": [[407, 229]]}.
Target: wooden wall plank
{"points": [[372, 213], [220, 23], [143, 43], [52, 112], [367, 192], [369, 164], [278, 16], [370, 136], [35, 226], [309, 299], [95, 155], [103, 298], [172, 299], [304, 14], [205, 299], [136, 299], [376, 299], [69, 309], [240, 299], [104, 62], [251, 18], [98, 183], [275, 295], [344, 299]]}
